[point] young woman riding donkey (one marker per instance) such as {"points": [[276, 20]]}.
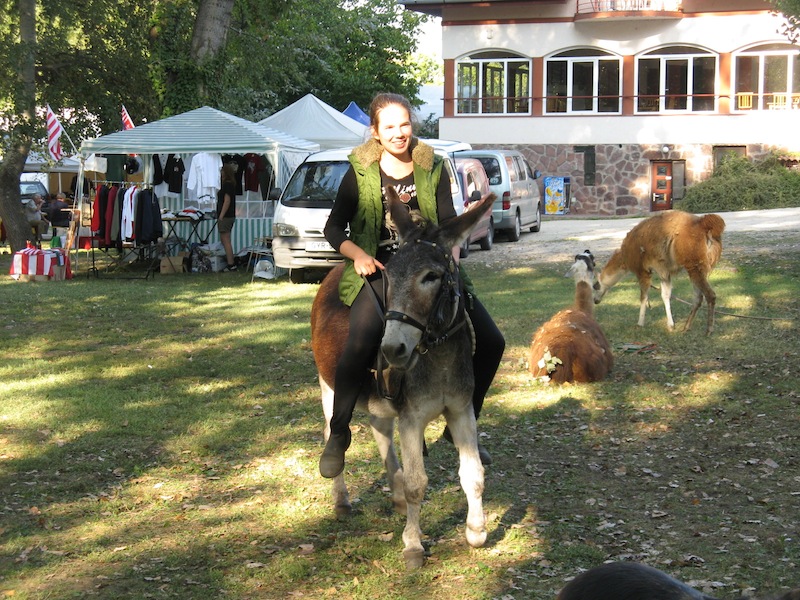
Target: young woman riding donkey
{"points": [[440, 377]]}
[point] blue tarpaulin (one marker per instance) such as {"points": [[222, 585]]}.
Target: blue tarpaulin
{"points": [[354, 112]]}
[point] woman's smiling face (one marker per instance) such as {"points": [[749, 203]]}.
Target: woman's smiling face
{"points": [[394, 129]]}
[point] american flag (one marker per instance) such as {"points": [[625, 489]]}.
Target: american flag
{"points": [[127, 122], [54, 131]]}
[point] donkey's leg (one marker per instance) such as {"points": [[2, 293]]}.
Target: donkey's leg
{"points": [[383, 431], [341, 498], [666, 297], [415, 481], [465, 436]]}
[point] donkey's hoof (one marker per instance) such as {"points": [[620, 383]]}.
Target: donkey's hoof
{"points": [[343, 510], [414, 557], [476, 537]]}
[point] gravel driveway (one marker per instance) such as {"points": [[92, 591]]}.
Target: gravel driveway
{"points": [[761, 231]]}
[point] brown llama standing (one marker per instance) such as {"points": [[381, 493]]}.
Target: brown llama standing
{"points": [[665, 244], [571, 346]]}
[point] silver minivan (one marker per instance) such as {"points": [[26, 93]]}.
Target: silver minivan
{"points": [[298, 239], [519, 201]]}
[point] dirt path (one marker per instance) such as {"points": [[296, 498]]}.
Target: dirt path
{"points": [[755, 232]]}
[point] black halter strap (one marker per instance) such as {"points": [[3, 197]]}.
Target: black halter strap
{"points": [[449, 293]]}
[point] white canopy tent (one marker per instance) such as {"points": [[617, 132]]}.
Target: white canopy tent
{"points": [[312, 119], [57, 177], [208, 130]]}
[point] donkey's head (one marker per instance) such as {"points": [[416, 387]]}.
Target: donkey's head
{"points": [[424, 303]]}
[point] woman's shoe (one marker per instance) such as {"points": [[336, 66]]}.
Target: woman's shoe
{"points": [[331, 463], [230, 268]]}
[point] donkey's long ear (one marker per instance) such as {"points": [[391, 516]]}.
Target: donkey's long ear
{"points": [[455, 231], [398, 209]]}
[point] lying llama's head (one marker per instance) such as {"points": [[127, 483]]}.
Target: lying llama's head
{"points": [[583, 267]]}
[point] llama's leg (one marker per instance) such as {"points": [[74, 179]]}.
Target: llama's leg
{"points": [[644, 301], [341, 498], [702, 290], [383, 430], [666, 297], [470, 472], [415, 481]]}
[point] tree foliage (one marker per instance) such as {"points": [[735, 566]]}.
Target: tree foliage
{"points": [[339, 53], [790, 10], [158, 58], [739, 183]]}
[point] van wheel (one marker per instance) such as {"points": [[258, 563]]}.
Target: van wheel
{"points": [[297, 275], [486, 243], [464, 250], [516, 231]]}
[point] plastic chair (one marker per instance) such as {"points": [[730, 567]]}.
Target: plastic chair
{"points": [[261, 249]]}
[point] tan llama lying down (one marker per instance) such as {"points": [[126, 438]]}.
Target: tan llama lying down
{"points": [[571, 346], [635, 581], [665, 244]]}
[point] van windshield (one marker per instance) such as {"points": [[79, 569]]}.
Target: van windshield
{"points": [[492, 168], [315, 184]]}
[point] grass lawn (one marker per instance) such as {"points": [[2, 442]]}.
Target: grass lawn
{"points": [[160, 438]]}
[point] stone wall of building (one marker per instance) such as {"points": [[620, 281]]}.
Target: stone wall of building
{"points": [[619, 185]]}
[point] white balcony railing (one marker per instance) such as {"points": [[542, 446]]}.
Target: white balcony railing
{"points": [[598, 6]]}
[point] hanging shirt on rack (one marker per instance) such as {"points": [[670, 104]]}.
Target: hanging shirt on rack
{"points": [[241, 164], [148, 227], [253, 168], [128, 213], [158, 170], [204, 177], [266, 178], [109, 215], [173, 173]]}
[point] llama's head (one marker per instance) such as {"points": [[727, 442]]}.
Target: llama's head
{"points": [[583, 268]]}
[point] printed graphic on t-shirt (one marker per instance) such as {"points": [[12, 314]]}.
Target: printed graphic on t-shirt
{"points": [[408, 195]]}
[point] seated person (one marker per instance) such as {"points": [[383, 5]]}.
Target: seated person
{"points": [[58, 212], [33, 212]]}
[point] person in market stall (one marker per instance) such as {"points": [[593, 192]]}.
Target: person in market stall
{"points": [[226, 211]]}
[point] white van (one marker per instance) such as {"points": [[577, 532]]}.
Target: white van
{"points": [[298, 241], [519, 201]]}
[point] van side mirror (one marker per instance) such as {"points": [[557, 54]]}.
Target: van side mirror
{"points": [[537, 173], [274, 193], [474, 196]]}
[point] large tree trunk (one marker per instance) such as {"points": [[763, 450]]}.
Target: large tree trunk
{"points": [[209, 36], [17, 228]]}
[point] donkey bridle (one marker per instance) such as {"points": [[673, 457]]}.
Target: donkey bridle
{"points": [[449, 293], [451, 284]]}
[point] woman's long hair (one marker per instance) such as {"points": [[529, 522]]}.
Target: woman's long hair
{"points": [[228, 173]]}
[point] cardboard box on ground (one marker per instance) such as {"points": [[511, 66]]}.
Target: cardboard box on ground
{"points": [[170, 265]]}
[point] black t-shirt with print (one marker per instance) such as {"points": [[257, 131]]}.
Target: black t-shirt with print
{"points": [[346, 205]]}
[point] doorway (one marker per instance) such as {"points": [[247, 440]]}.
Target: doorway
{"points": [[661, 185]]}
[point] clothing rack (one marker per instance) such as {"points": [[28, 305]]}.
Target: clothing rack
{"points": [[127, 253]]}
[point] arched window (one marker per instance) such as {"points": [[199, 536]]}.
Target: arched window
{"points": [[493, 82], [676, 78], [584, 80], [767, 77]]}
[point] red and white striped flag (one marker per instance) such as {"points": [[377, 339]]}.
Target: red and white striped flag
{"points": [[54, 131], [127, 122]]}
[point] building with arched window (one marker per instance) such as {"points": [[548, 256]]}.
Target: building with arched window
{"points": [[634, 100]]}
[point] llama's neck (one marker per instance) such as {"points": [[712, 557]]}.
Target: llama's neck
{"points": [[614, 270], [584, 299]]}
